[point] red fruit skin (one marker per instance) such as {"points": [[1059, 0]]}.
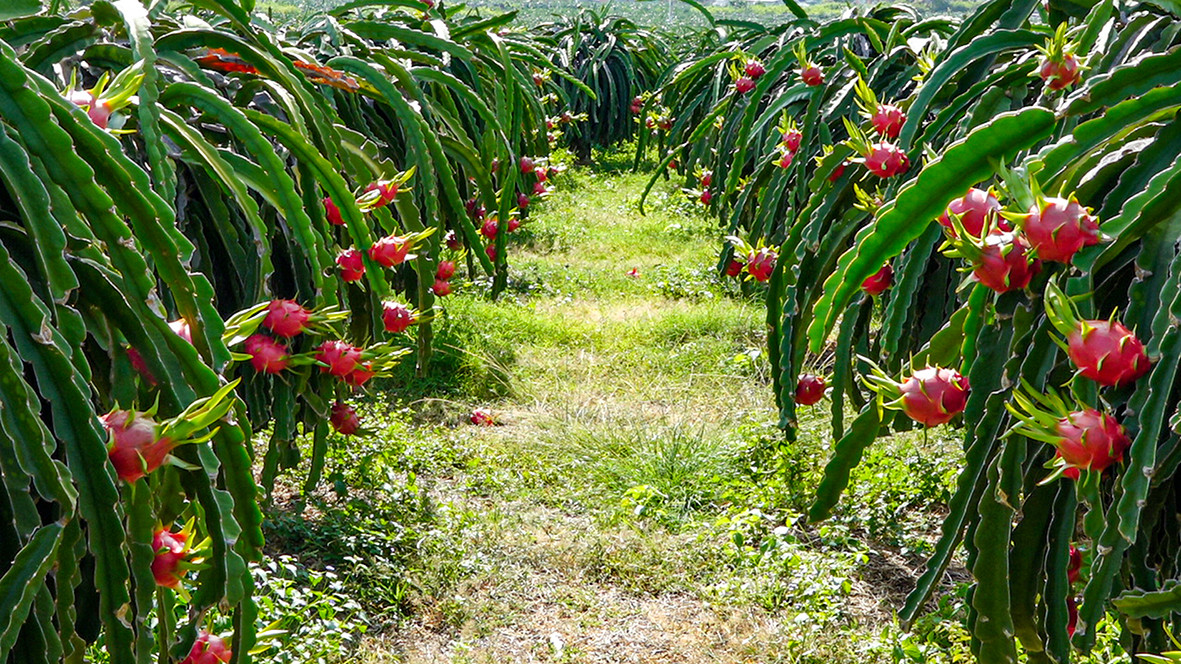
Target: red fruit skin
{"points": [[491, 252], [1075, 565], [792, 139], [352, 265], [332, 212], [523, 200], [1059, 228], [341, 357], [888, 120], [170, 551], [266, 354], [706, 197], [785, 160], [975, 208], [344, 419], [812, 75], [397, 317], [286, 318], [1006, 264], [880, 281], [99, 112], [359, 376], [809, 390], [490, 229], [452, 241], [1108, 353], [734, 268], [527, 165], [754, 69], [208, 649], [538, 190], [933, 395], [134, 449], [389, 251], [388, 191], [1089, 439], [761, 264], [886, 160], [837, 172], [441, 288], [513, 224], [445, 270], [707, 178], [1072, 615], [1061, 73], [482, 417], [744, 85]]}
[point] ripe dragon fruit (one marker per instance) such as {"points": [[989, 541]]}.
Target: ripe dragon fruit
{"points": [[360, 375], [734, 267], [490, 252], [977, 210], [445, 270], [886, 160], [490, 229], [880, 281], [482, 417], [332, 212], [1060, 72], [286, 318], [1071, 615], [809, 390], [523, 199], [208, 649], [1089, 440], [933, 396], [1076, 564], [513, 224], [1107, 352], [754, 69], [338, 357], [786, 159], [351, 263], [930, 396], [390, 251], [707, 178], [452, 241], [1004, 263], [792, 139], [744, 85], [539, 189], [136, 447], [266, 354], [1057, 228], [387, 191], [888, 120], [761, 263], [441, 288], [172, 552], [344, 419], [527, 165], [811, 75], [705, 197], [397, 317]]}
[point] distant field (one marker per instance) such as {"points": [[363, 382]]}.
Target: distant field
{"points": [[669, 14]]}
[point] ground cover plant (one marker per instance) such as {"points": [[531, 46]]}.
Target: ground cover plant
{"points": [[230, 239]]}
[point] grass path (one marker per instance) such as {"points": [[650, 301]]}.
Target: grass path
{"points": [[628, 507]]}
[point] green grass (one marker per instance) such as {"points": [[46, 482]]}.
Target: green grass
{"points": [[637, 498]]}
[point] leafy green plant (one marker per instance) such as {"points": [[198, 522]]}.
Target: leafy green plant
{"points": [[808, 157]]}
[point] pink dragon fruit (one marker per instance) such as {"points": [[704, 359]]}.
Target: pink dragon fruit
{"points": [[266, 354], [286, 318]]}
